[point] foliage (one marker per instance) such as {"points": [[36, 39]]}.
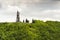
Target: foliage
{"points": [[39, 30]]}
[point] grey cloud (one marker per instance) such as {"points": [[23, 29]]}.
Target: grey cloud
{"points": [[26, 3], [31, 8]]}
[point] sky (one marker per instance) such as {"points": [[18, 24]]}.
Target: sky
{"points": [[30, 9]]}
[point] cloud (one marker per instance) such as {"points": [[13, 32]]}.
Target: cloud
{"points": [[39, 9], [28, 3]]}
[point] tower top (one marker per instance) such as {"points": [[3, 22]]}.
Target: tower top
{"points": [[17, 11]]}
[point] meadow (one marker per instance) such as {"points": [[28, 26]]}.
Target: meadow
{"points": [[37, 30]]}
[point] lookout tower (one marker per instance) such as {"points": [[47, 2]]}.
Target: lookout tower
{"points": [[18, 18]]}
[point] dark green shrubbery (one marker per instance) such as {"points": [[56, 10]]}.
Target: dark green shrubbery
{"points": [[38, 30]]}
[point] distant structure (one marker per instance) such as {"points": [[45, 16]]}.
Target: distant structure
{"points": [[27, 21], [18, 18]]}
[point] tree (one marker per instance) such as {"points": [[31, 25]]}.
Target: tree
{"points": [[33, 21]]}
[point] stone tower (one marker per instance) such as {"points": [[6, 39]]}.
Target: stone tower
{"points": [[18, 18]]}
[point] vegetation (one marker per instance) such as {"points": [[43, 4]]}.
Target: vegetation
{"points": [[38, 30]]}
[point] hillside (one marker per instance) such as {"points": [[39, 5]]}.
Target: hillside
{"points": [[39, 30]]}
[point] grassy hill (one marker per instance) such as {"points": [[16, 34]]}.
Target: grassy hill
{"points": [[38, 30]]}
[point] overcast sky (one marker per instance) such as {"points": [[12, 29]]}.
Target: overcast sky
{"points": [[30, 9]]}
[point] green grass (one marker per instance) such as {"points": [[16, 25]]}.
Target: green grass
{"points": [[39, 30]]}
